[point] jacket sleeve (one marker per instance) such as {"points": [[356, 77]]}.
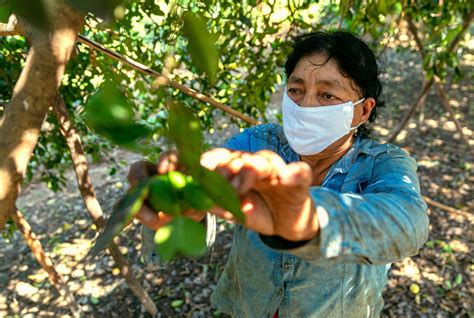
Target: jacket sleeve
{"points": [[385, 223], [239, 142]]}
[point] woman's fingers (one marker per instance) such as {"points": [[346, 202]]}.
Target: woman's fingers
{"points": [[151, 219], [194, 215], [296, 174], [222, 213], [168, 162], [140, 170], [211, 159]]}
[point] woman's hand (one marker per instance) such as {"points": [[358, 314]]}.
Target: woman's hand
{"points": [[143, 169], [274, 196]]}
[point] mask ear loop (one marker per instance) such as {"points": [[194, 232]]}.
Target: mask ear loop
{"points": [[355, 127]]}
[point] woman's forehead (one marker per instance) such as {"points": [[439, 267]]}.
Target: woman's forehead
{"points": [[318, 68]]}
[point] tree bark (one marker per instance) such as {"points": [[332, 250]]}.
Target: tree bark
{"points": [[45, 262], [32, 96], [12, 27], [86, 188]]}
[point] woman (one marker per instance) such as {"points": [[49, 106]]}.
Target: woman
{"points": [[327, 208]]}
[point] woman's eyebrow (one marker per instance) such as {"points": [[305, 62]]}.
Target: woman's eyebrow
{"points": [[296, 80], [331, 83]]}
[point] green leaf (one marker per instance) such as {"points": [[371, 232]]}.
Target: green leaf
{"points": [[5, 10], [196, 197], [201, 45], [177, 303], [458, 279], [218, 189], [123, 213], [94, 300], [185, 130], [163, 196], [32, 11], [103, 9], [111, 115], [182, 236]]}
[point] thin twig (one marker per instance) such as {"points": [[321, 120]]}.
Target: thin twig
{"points": [[86, 188], [45, 262], [448, 209], [164, 80], [12, 27], [445, 101], [419, 101]]}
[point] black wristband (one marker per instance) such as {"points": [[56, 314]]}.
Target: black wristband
{"points": [[279, 243]]}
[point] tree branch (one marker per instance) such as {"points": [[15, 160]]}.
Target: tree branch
{"points": [[86, 188], [421, 99], [164, 80], [448, 209], [45, 262], [12, 27], [447, 107], [33, 94]]}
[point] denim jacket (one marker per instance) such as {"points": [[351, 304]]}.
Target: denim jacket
{"points": [[371, 213]]}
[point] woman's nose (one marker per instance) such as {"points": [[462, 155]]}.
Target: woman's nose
{"points": [[308, 100]]}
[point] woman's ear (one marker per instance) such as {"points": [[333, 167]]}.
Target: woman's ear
{"points": [[367, 106]]}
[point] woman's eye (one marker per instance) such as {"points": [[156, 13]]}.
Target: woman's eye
{"points": [[328, 96], [294, 91]]}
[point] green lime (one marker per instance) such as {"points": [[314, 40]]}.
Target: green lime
{"points": [[195, 196], [177, 179], [162, 196]]}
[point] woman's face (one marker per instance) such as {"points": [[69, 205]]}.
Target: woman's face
{"points": [[315, 83]]}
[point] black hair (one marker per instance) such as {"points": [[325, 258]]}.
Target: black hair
{"points": [[354, 58]]}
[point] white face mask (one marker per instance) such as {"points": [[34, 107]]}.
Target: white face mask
{"points": [[310, 130]]}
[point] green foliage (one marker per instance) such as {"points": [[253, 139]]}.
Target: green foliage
{"points": [[174, 192], [231, 51], [32, 11], [195, 196], [124, 212], [164, 195], [201, 45], [9, 230], [5, 11], [182, 236], [110, 114], [186, 133]]}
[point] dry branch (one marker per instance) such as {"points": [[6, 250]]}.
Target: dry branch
{"points": [[448, 209], [33, 94], [419, 101], [447, 107], [12, 27], [86, 188], [45, 262], [440, 90], [164, 80]]}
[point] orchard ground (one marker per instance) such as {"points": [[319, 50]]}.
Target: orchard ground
{"points": [[435, 283]]}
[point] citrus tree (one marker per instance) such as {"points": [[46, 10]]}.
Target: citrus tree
{"points": [[149, 70]]}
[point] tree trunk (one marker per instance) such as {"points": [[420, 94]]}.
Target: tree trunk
{"points": [[32, 96], [86, 188]]}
